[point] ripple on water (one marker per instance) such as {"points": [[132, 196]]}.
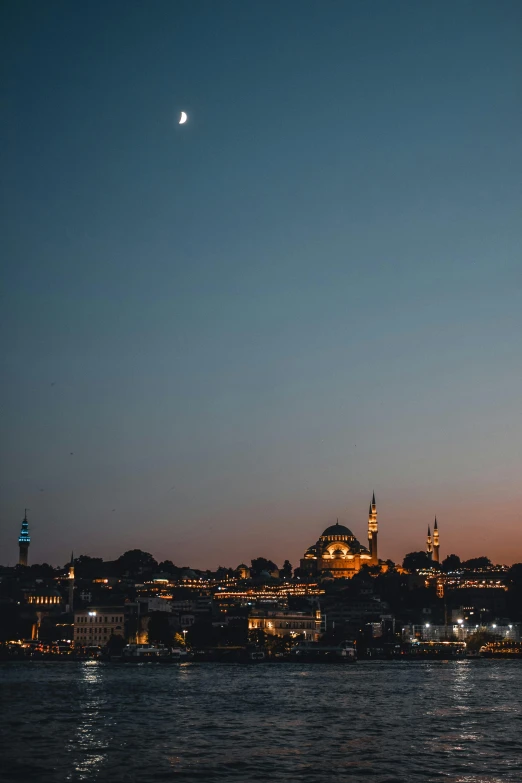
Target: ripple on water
{"points": [[382, 722]]}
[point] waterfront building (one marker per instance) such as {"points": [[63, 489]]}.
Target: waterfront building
{"points": [[95, 626], [45, 602], [338, 553], [286, 623], [23, 542], [459, 631]]}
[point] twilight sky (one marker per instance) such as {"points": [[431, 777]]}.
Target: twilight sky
{"points": [[217, 338]]}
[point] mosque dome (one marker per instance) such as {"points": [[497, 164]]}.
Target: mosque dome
{"points": [[337, 530]]}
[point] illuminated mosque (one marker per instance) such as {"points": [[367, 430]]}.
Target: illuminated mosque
{"points": [[337, 553]]}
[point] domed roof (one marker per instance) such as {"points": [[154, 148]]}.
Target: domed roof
{"points": [[337, 530]]}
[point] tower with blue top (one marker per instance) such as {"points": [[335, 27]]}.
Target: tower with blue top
{"points": [[23, 542]]}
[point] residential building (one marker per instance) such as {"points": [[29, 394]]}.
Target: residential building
{"points": [[95, 626]]}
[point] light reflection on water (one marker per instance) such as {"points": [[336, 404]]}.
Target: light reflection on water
{"points": [[90, 741], [377, 722]]}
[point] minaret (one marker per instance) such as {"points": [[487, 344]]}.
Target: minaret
{"points": [[70, 607], [436, 542], [372, 531], [23, 542], [429, 545]]}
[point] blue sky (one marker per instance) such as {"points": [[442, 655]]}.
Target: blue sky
{"points": [[242, 326]]}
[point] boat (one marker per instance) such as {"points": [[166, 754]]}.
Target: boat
{"points": [[501, 649], [315, 652], [140, 653]]}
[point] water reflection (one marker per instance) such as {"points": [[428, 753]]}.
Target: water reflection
{"points": [[376, 722], [89, 741]]}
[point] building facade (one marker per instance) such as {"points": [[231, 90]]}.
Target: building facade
{"points": [[93, 627], [286, 623], [338, 553]]}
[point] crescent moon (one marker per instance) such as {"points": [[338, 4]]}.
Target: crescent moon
{"points": [[183, 118]]}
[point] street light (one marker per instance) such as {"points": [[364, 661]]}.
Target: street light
{"points": [[185, 637]]}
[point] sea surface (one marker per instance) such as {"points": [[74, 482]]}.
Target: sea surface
{"points": [[375, 722]]}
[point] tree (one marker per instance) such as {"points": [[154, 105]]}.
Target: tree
{"points": [[262, 564], [136, 563], [86, 567], [202, 634], [115, 644], [159, 629], [515, 576], [11, 626], [179, 640], [286, 571], [451, 563], [415, 561], [223, 572], [167, 567], [477, 563], [41, 571], [478, 639]]}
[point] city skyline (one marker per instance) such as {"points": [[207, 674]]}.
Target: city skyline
{"points": [[431, 546], [219, 337]]}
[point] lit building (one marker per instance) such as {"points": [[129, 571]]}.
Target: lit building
{"points": [[459, 630], [93, 627], [23, 542], [45, 602], [286, 623], [338, 553], [70, 577], [44, 597], [243, 571], [154, 604]]}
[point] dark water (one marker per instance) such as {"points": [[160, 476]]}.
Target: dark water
{"points": [[389, 722]]}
